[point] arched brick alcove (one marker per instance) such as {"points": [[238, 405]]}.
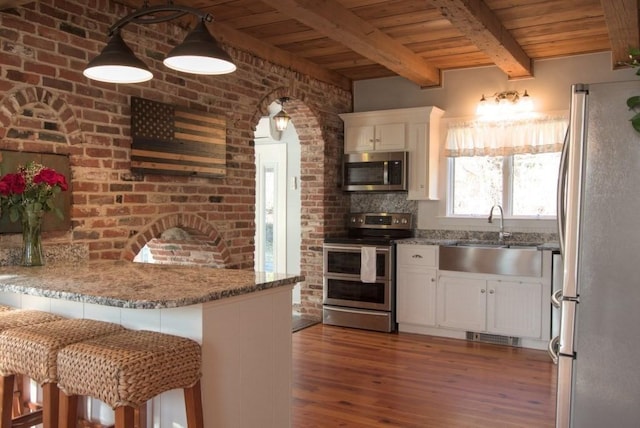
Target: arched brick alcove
{"points": [[191, 223], [35, 119]]}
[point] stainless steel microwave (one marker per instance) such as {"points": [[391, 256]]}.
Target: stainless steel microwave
{"points": [[375, 172]]}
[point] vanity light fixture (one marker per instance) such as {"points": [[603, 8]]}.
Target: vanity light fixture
{"points": [[199, 53], [282, 118], [505, 104]]}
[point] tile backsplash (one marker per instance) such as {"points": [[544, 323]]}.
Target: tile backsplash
{"points": [[393, 202]]}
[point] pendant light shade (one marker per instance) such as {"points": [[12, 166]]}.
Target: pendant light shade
{"points": [[200, 53], [117, 64]]}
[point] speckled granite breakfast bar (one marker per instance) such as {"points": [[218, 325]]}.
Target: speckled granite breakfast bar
{"points": [[137, 285]]}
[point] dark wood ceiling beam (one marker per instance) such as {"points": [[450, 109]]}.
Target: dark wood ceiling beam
{"points": [[483, 28], [621, 17], [10, 4], [278, 56], [330, 18]]}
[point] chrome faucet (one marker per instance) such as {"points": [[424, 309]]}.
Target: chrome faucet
{"points": [[502, 235]]}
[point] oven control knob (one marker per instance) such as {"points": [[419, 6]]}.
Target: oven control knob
{"points": [[404, 221], [353, 219], [396, 221]]}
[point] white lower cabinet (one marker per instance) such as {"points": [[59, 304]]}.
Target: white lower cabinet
{"points": [[514, 308], [485, 304], [462, 303], [416, 276], [416, 296]]}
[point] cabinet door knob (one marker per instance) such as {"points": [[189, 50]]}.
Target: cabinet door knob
{"points": [[492, 291], [483, 291], [416, 256], [433, 280]]}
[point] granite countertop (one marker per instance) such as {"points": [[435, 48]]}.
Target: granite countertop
{"points": [[137, 285], [426, 241]]}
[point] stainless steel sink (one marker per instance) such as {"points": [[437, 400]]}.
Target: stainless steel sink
{"points": [[498, 259]]}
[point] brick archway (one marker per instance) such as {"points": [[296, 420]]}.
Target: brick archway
{"points": [[188, 222], [324, 207]]}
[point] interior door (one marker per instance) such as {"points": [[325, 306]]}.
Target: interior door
{"points": [[271, 212]]}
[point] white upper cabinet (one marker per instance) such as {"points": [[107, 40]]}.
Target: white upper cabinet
{"points": [[373, 132], [415, 130]]}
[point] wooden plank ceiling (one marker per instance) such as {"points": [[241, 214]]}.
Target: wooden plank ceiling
{"points": [[340, 41]]}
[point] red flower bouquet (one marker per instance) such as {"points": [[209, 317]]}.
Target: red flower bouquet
{"points": [[27, 195], [33, 187]]}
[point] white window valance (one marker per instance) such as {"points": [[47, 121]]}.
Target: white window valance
{"points": [[478, 138]]}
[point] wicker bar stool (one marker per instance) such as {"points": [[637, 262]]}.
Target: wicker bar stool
{"points": [[125, 370], [32, 351], [9, 319]]}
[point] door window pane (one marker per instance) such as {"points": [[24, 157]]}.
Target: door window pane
{"points": [[269, 210]]}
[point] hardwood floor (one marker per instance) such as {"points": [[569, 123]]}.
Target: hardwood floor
{"points": [[355, 378]]}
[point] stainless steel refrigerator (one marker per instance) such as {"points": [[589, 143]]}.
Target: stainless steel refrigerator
{"points": [[599, 216]]}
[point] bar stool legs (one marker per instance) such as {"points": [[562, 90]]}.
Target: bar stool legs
{"points": [[193, 403], [7, 399]]}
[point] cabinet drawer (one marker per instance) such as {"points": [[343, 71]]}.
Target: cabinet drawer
{"points": [[417, 255]]}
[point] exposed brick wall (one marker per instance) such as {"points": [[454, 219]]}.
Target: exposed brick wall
{"points": [[47, 105]]}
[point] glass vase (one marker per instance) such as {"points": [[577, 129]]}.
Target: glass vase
{"points": [[32, 254]]}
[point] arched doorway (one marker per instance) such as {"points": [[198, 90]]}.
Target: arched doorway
{"points": [[278, 198], [324, 206]]}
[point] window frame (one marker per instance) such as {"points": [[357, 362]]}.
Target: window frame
{"points": [[507, 193]]}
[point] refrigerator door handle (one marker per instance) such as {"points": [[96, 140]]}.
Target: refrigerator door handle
{"points": [[552, 349], [565, 386], [573, 188], [567, 328], [561, 193], [556, 298]]}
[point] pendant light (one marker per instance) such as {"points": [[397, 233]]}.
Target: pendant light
{"points": [[200, 53], [117, 64], [282, 118]]}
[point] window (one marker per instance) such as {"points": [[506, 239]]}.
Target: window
{"points": [[514, 164], [524, 184]]}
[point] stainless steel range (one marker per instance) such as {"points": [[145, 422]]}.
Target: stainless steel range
{"points": [[359, 272]]}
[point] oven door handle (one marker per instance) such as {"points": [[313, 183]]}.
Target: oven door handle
{"points": [[354, 248], [360, 311]]}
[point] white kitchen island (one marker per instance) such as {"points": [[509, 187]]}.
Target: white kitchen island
{"points": [[242, 319]]}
